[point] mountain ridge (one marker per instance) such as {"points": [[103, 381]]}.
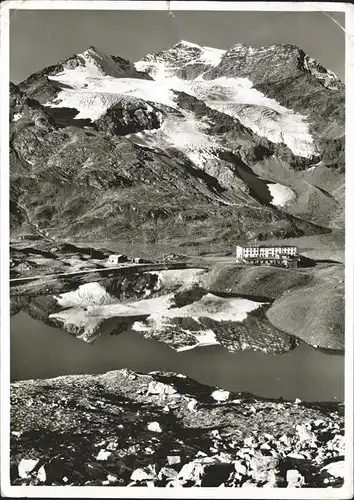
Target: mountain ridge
{"points": [[305, 61]]}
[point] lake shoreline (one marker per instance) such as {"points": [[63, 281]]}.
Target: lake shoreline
{"points": [[39, 351]]}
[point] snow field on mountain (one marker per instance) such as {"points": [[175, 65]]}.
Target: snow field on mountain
{"points": [[207, 55], [97, 84], [198, 156], [227, 94], [93, 63], [100, 94], [185, 132], [282, 195], [211, 56]]}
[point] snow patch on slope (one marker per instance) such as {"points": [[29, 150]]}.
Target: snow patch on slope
{"points": [[211, 56], [217, 308], [188, 44], [282, 195], [87, 294], [184, 132], [171, 278], [203, 338]]}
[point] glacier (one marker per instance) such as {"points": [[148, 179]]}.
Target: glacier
{"points": [[96, 82]]}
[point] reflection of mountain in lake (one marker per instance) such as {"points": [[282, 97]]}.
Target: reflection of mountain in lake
{"points": [[40, 351]]}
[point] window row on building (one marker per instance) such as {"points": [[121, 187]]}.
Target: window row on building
{"points": [[264, 251]]}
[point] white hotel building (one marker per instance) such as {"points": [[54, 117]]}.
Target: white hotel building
{"points": [[267, 254]]}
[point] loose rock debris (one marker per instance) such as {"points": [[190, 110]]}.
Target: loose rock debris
{"points": [[114, 430]]}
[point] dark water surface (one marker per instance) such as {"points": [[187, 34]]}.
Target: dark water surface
{"points": [[41, 351]]}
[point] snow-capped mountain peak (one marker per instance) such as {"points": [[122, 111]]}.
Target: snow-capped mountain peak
{"points": [[325, 76], [187, 44], [250, 85], [184, 59], [93, 63]]}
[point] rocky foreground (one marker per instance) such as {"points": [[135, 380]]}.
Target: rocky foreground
{"points": [[166, 430]]}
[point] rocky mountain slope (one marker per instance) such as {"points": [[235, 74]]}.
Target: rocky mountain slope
{"points": [[192, 146]]}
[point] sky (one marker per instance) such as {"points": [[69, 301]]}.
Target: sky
{"points": [[39, 38]]}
